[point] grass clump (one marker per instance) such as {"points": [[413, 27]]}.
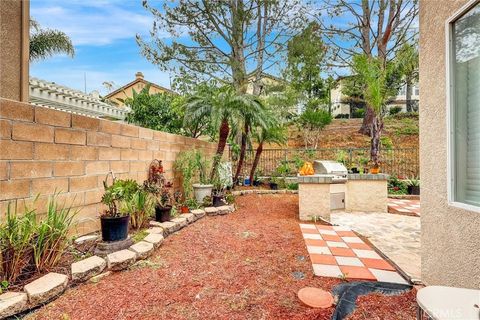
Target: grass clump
{"points": [[27, 242]]}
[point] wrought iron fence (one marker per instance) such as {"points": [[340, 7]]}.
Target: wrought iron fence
{"points": [[398, 162]]}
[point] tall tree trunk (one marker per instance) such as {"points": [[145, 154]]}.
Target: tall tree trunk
{"points": [[376, 132], [243, 149], [222, 142], [408, 97], [367, 121], [258, 153]]}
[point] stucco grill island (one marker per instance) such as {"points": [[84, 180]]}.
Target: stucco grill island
{"points": [[331, 188]]}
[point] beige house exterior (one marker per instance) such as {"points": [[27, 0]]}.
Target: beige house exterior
{"points": [[450, 232], [138, 84], [340, 104]]}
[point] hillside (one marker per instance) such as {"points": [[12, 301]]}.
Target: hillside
{"points": [[400, 131]]}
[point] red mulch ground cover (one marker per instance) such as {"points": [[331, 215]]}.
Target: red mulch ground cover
{"points": [[237, 266]]}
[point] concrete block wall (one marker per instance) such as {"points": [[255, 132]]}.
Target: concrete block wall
{"points": [[44, 150]]}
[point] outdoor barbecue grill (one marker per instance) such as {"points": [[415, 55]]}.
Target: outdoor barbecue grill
{"points": [[331, 169]]}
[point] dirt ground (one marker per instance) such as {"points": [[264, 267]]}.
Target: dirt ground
{"points": [[239, 266]]}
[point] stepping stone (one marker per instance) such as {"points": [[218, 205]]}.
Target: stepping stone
{"points": [[88, 268], [155, 239], [169, 227], [199, 213], [154, 223], [45, 288], [12, 303], [180, 222], [211, 211], [154, 230], [85, 239], [189, 216], [121, 259], [315, 298], [143, 249]]}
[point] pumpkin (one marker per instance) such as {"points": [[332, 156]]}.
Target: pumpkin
{"points": [[307, 169]]}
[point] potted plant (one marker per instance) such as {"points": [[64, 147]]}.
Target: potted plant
{"points": [[177, 196], [274, 182], [114, 222], [140, 207], [413, 186], [159, 187], [256, 179], [194, 166], [221, 181]]}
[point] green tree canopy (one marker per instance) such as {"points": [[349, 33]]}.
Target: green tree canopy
{"points": [[154, 111]]}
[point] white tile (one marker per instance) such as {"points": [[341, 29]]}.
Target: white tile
{"points": [[349, 261], [312, 236], [388, 276], [336, 244], [307, 226], [366, 254], [352, 239], [341, 228], [329, 232], [319, 250], [325, 270]]}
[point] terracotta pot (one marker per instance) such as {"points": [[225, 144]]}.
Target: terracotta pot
{"points": [[184, 209], [375, 170]]}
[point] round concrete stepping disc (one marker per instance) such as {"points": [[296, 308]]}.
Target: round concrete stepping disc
{"points": [[315, 298]]}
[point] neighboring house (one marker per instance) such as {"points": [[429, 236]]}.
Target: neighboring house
{"points": [[52, 95], [138, 84], [450, 143], [341, 105]]}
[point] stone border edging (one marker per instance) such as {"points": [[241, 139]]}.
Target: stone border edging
{"points": [[263, 191], [52, 285]]}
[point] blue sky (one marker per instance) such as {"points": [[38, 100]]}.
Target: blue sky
{"points": [[103, 33]]}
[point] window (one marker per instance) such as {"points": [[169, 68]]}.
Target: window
{"points": [[465, 107]]}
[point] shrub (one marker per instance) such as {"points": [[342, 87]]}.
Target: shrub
{"points": [[396, 186], [16, 237], [140, 207], [394, 110], [26, 243], [292, 186], [359, 113], [51, 236]]}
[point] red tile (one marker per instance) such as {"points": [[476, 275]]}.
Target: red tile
{"points": [[346, 234], [377, 264], [363, 246], [361, 273], [342, 252], [310, 231], [322, 259], [328, 237], [315, 242]]}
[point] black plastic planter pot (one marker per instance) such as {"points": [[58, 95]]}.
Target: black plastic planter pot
{"points": [[256, 183], [114, 228], [413, 190], [162, 214], [218, 201], [273, 186]]}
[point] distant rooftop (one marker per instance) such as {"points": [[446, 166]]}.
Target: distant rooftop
{"points": [[52, 95]]}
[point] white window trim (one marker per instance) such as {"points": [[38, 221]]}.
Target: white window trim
{"points": [[450, 105]]}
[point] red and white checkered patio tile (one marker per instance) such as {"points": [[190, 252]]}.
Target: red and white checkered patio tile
{"points": [[404, 206], [336, 251]]}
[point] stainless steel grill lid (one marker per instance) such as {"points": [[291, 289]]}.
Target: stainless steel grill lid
{"points": [[329, 167]]}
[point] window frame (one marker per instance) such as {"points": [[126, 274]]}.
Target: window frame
{"points": [[450, 104]]}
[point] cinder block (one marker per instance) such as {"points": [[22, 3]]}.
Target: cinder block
{"points": [[70, 136], [32, 132]]}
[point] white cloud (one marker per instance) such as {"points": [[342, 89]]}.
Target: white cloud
{"points": [[93, 22]]}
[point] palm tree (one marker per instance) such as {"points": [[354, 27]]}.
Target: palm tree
{"points": [[274, 134], [45, 43], [375, 76], [254, 114], [221, 107]]}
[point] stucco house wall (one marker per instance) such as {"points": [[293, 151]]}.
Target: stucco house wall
{"points": [[450, 235]]}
